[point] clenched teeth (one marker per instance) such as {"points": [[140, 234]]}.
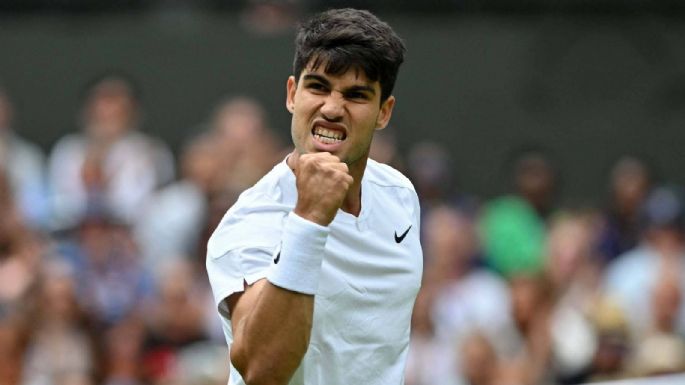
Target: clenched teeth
{"points": [[328, 136]]}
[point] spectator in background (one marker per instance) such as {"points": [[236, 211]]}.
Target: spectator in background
{"points": [[62, 348], [629, 184], [667, 299], [453, 312], [123, 351], [20, 261], [535, 180], [13, 336], [479, 361], [202, 364], [270, 17], [174, 320], [513, 237], [429, 360], [173, 217], [513, 227], [575, 282], [632, 277], [111, 164], [451, 250], [20, 253], [660, 355], [247, 147], [613, 349], [662, 349], [111, 280], [24, 166], [526, 356], [431, 172]]}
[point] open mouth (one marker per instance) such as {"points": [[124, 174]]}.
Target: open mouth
{"points": [[328, 136]]}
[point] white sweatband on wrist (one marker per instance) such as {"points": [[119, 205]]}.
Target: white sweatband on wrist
{"points": [[297, 265]]}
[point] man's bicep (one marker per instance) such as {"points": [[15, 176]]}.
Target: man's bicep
{"points": [[241, 303]]}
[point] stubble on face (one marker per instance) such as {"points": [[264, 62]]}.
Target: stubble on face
{"points": [[348, 100]]}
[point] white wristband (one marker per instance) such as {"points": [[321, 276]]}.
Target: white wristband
{"points": [[297, 265]]}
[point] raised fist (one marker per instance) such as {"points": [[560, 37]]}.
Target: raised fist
{"points": [[322, 184]]}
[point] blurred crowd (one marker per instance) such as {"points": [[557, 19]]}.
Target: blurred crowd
{"points": [[102, 243], [102, 247], [519, 291]]}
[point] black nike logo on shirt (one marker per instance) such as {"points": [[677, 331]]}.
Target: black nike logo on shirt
{"points": [[401, 237], [278, 257]]}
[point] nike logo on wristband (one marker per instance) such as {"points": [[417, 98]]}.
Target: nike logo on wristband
{"points": [[401, 237], [278, 258]]}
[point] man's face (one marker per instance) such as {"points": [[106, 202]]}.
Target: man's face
{"points": [[336, 113]]}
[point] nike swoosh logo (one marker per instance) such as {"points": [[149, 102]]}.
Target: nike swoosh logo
{"points": [[401, 237], [278, 258]]}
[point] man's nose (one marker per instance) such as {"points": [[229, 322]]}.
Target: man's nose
{"points": [[333, 107]]}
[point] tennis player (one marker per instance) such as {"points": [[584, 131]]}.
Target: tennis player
{"points": [[315, 269]]}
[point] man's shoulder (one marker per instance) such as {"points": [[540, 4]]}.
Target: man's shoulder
{"points": [[391, 186], [255, 219], [383, 175]]}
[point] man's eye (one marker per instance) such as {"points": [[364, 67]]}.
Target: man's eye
{"points": [[316, 87], [357, 95]]}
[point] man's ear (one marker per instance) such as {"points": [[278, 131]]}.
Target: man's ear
{"points": [[385, 113], [291, 87]]}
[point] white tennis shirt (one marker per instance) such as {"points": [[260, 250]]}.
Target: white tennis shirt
{"points": [[370, 275]]}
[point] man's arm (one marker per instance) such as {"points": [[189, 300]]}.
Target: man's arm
{"points": [[272, 324], [271, 329]]}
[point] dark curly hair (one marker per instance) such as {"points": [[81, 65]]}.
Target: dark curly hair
{"points": [[348, 38]]}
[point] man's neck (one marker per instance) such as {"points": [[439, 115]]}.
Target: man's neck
{"points": [[353, 201]]}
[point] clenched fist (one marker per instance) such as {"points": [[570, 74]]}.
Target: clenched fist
{"points": [[322, 184]]}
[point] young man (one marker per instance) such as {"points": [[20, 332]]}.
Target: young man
{"points": [[316, 268]]}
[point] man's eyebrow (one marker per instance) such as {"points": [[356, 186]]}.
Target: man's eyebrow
{"points": [[316, 77], [354, 88], [362, 88]]}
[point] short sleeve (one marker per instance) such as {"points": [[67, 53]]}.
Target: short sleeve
{"points": [[241, 248], [228, 273]]}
